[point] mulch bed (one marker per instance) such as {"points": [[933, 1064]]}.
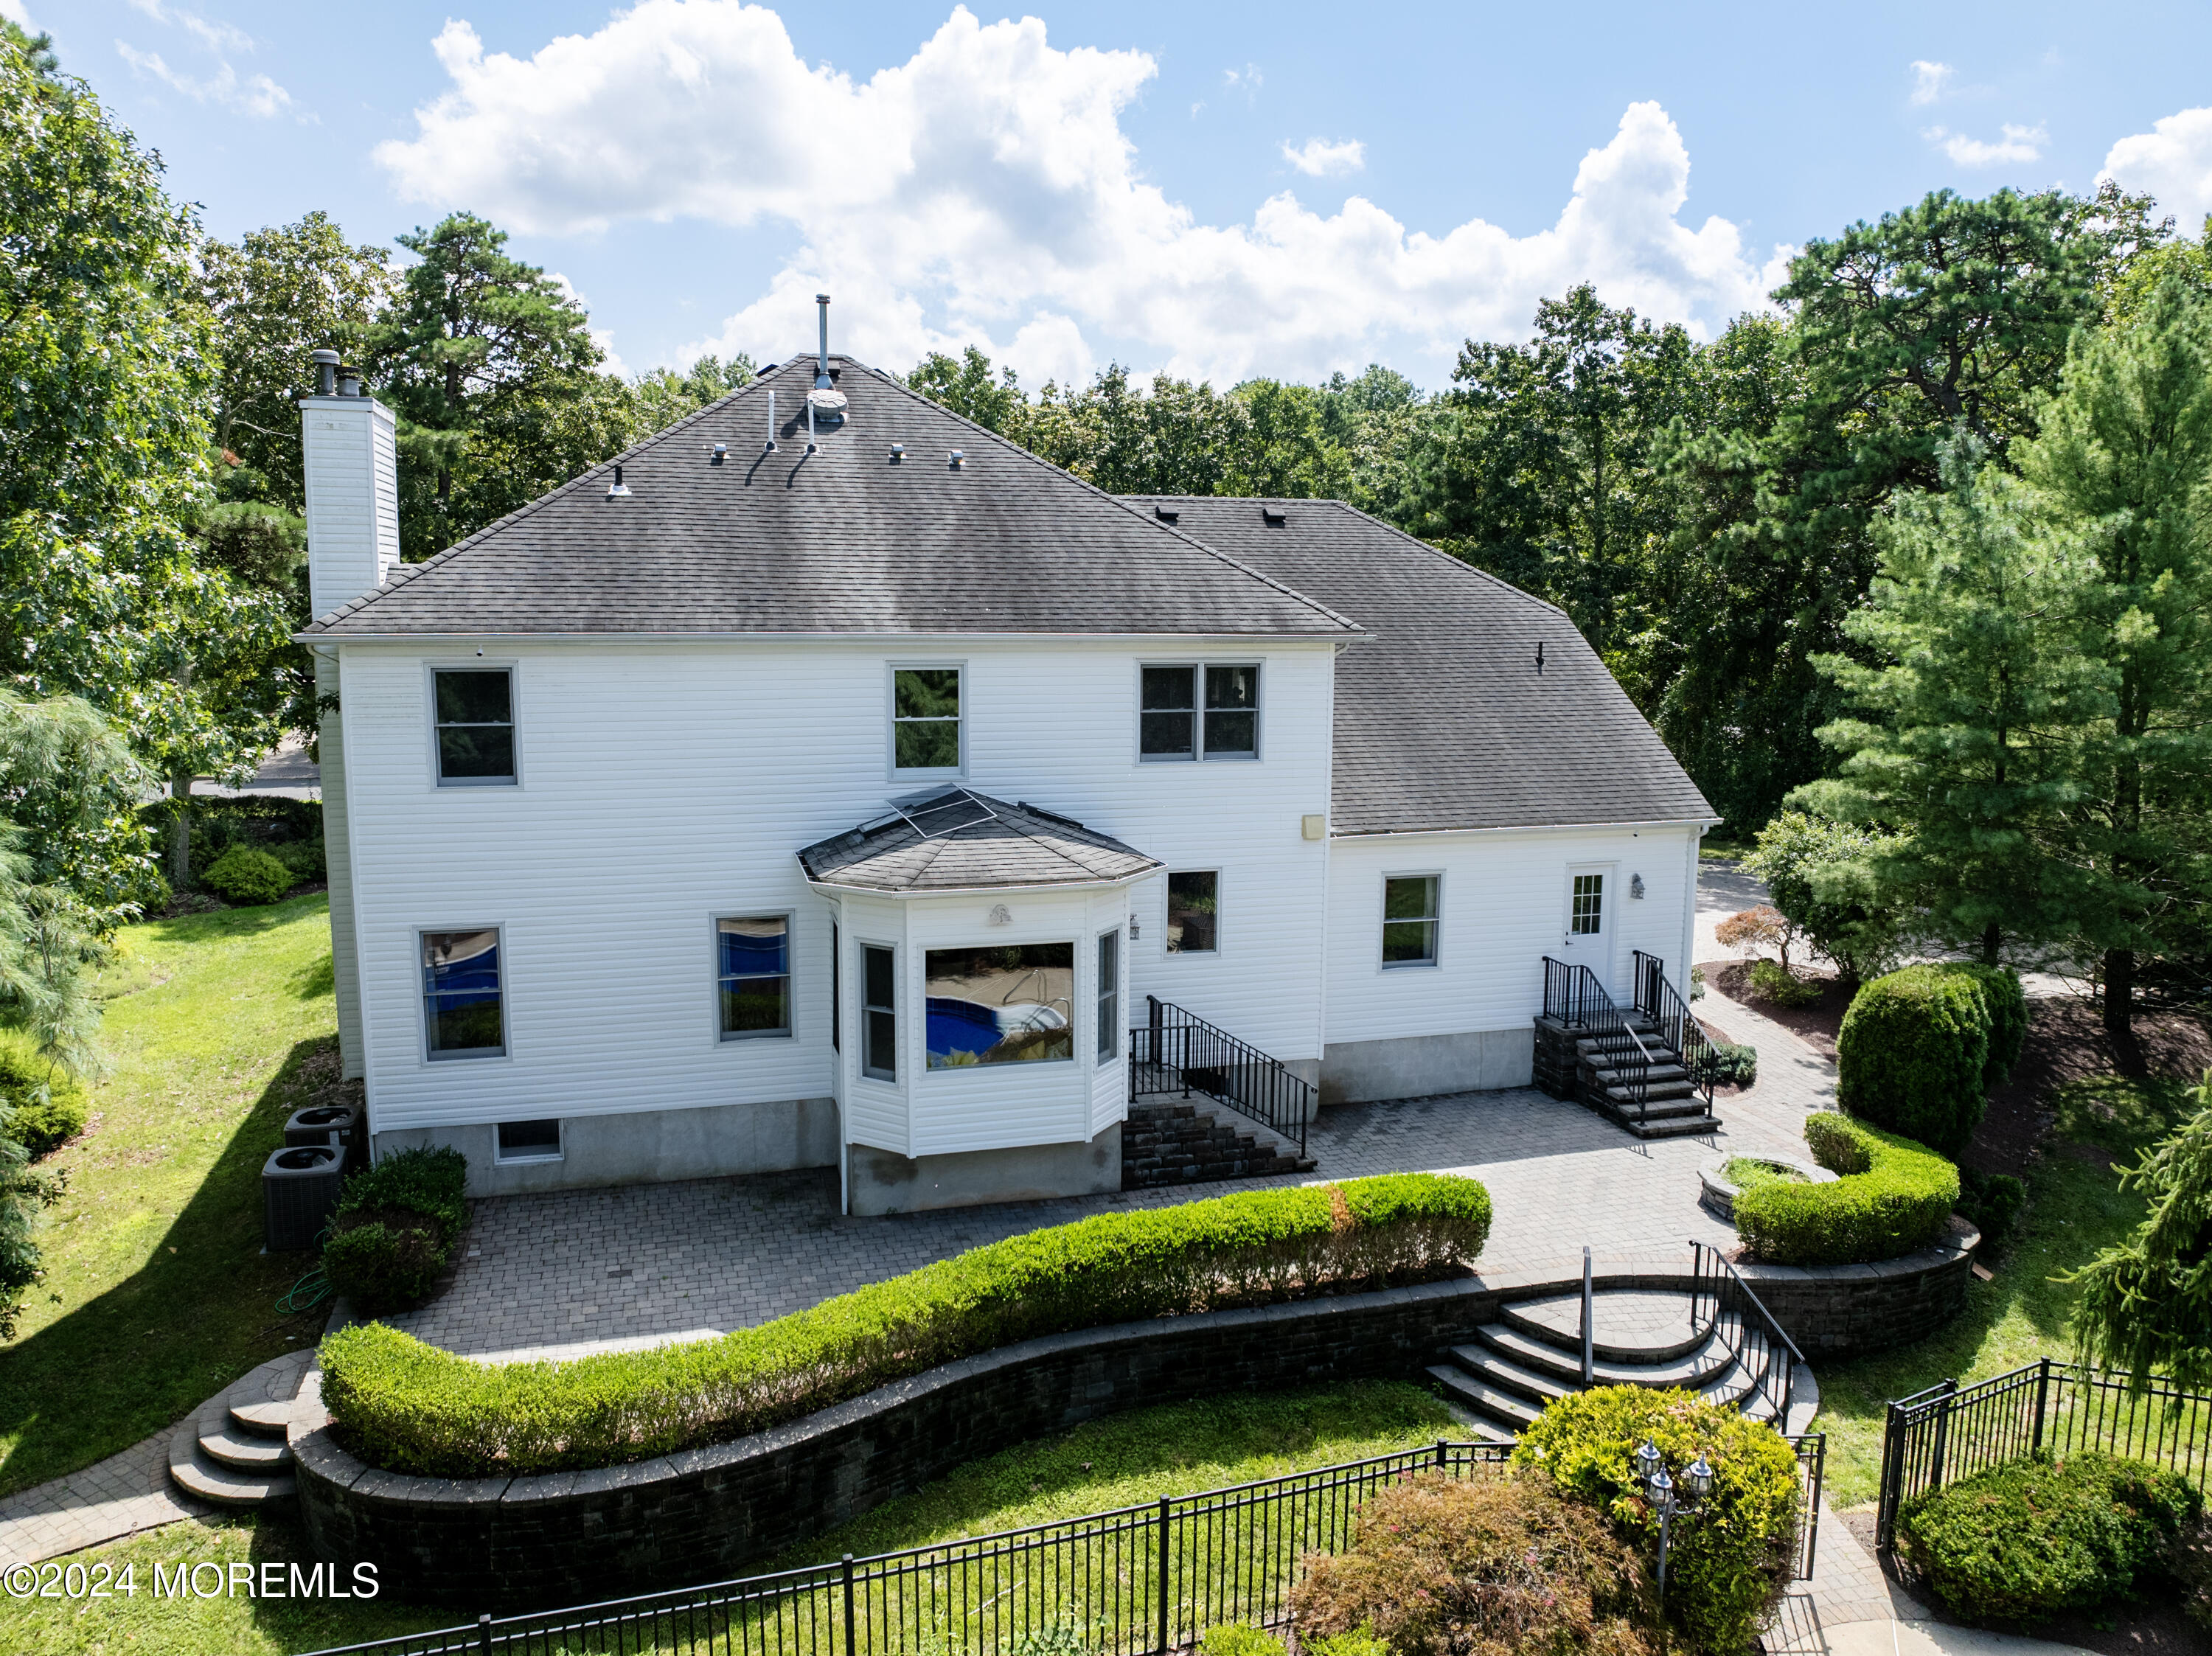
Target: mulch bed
{"points": [[1815, 1023]]}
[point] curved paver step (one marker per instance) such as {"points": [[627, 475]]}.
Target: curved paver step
{"points": [[1691, 1370], [1504, 1413], [247, 1453], [1630, 1325], [261, 1404], [1534, 1386], [223, 1486]]}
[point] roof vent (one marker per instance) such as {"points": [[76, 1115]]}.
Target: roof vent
{"points": [[898, 453], [769, 447], [617, 490], [1539, 655], [1165, 516], [326, 372], [348, 382], [957, 459], [721, 452], [1273, 517]]}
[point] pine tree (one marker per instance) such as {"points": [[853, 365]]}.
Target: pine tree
{"points": [[1971, 718], [2124, 463]]}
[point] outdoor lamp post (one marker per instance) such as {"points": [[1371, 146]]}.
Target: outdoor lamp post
{"points": [[1697, 1483]]}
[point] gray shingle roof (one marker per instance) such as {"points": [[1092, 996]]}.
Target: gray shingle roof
{"points": [[842, 541], [1442, 720], [937, 842]]}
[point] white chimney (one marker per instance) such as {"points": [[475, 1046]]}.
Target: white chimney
{"points": [[350, 446]]}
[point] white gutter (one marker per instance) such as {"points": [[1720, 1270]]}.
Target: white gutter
{"points": [[1180, 640], [827, 886], [1698, 823]]}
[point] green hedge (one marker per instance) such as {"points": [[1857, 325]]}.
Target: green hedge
{"points": [[245, 874], [1726, 1570], [2006, 1002], [1912, 1053], [392, 1235], [2046, 1534], [412, 1408], [1894, 1198]]}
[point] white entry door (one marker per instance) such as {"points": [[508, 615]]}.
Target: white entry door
{"points": [[1587, 932]]}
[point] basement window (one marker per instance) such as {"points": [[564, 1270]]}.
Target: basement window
{"points": [[529, 1141], [475, 711], [1208, 710]]}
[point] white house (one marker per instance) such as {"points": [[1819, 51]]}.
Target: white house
{"points": [[828, 782]]}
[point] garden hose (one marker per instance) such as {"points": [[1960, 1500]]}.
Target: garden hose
{"points": [[310, 1292]]}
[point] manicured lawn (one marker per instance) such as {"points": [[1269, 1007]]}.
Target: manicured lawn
{"points": [[157, 1295], [2075, 1208], [1176, 1449]]}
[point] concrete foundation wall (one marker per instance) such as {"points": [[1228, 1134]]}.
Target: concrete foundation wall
{"points": [[708, 1143], [1415, 1066], [882, 1181]]}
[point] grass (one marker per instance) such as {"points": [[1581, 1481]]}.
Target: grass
{"points": [[1120, 1461], [157, 1295], [2075, 1208], [1750, 1172]]}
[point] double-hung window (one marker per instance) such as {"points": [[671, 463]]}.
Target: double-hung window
{"points": [[879, 1013], [1410, 920], [475, 717], [462, 1013], [926, 719], [1195, 912], [1202, 711], [1109, 996], [752, 975]]}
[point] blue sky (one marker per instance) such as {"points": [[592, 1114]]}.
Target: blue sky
{"points": [[1220, 190]]}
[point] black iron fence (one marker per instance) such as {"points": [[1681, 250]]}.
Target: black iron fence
{"points": [[1766, 1358], [1951, 1431], [1661, 1001], [1174, 1051], [1143, 1579], [1574, 997]]}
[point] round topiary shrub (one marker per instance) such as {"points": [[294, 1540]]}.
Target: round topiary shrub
{"points": [[243, 875], [1912, 1054], [1894, 1198], [1496, 1562], [49, 1103], [2006, 1002], [2047, 1534], [1731, 1558]]}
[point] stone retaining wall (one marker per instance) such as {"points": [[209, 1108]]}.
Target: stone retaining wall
{"points": [[712, 1513], [1845, 1311]]}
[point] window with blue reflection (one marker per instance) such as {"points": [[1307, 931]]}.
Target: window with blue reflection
{"points": [[461, 1001], [753, 976]]}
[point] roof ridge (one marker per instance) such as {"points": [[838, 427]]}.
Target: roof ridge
{"points": [[1121, 501]]}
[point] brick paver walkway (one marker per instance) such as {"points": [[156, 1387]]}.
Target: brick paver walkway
{"points": [[121, 1495]]}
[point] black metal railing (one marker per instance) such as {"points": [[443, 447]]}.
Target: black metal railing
{"points": [[1174, 1051], [1149, 1578], [1659, 1000], [1950, 1431], [1721, 1301], [1574, 997]]}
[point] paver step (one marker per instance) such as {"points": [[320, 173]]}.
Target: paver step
{"points": [[1661, 1126], [248, 1453], [224, 1486], [1532, 1386], [1691, 1370], [1655, 1074], [1505, 1414], [1631, 1326]]}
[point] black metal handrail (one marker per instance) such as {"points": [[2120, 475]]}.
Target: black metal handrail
{"points": [[1141, 1580], [1659, 1000], [1174, 1051], [1951, 1431], [1720, 1300], [1574, 997]]}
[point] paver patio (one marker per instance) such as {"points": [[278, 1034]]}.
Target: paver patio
{"points": [[566, 1273]]}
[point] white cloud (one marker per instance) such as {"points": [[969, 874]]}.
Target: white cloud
{"points": [[1318, 158], [216, 37], [18, 13], [2018, 143], [985, 191], [251, 95], [1929, 79], [2172, 161]]}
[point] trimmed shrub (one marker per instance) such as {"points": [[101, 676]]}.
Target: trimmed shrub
{"points": [[2006, 1003], [243, 875], [1730, 1560], [1496, 1564], [1991, 1202], [305, 858], [1911, 1053], [1733, 1065], [2047, 1534], [411, 1407], [49, 1104], [1776, 983], [392, 1235], [1894, 1198], [1240, 1639]]}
